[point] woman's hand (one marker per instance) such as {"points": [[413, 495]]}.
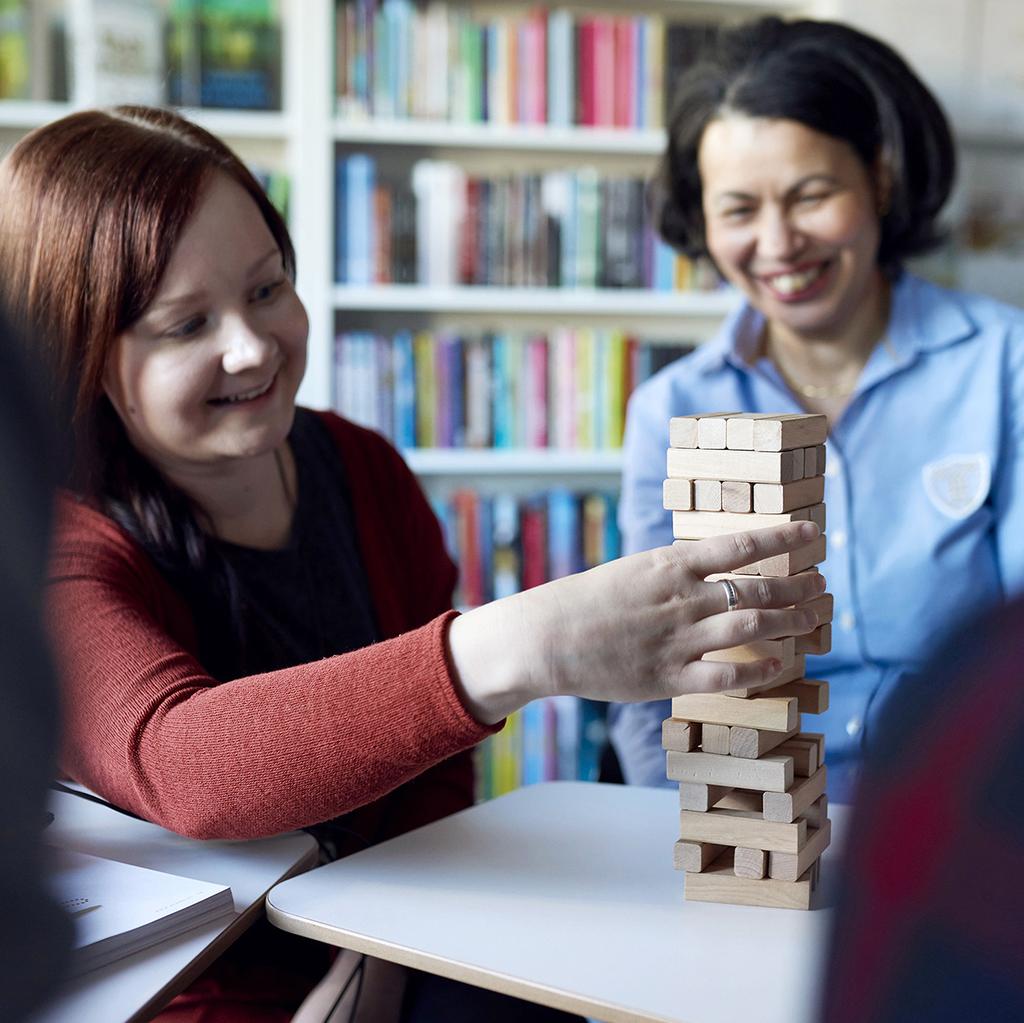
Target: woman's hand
{"points": [[636, 628]]}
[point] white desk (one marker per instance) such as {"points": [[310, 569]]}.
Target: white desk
{"points": [[564, 894], [136, 987]]}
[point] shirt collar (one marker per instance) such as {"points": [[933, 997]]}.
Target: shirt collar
{"points": [[923, 317]]}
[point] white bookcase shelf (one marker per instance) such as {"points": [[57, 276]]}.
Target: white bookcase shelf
{"points": [[533, 301], [517, 138], [546, 462]]}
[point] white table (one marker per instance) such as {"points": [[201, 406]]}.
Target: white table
{"points": [[136, 987], [564, 894]]}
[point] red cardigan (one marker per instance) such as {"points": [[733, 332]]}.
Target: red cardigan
{"points": [[150, 730]]}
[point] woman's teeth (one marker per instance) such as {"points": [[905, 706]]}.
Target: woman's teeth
{"points": [[792, 283], [246, 395]]}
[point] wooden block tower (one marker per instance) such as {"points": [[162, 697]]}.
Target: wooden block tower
{"points": [[753, 811]]}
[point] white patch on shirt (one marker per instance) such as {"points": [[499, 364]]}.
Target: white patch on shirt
{"points": [[958, 485]]}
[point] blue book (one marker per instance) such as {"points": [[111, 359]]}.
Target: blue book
{"points": [[504, 435], [533, 742], [457, 377], [359, 232], [664, 266], [340, 205], [593, 736], [404, 370], [563, 534], [612, 537], [639, 29]]}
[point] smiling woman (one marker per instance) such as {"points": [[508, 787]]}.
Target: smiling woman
{"points": [[252, 601], [809, 162]]}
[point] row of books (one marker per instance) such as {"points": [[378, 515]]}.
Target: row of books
{"points": [[560, 738], [509, 389], [504, 543], [215, 53], [443, 227], [401, 59]]}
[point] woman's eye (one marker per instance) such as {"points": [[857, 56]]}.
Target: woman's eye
{"points": [[265, 291], [737, 212], [189, 328], [810, 200]]}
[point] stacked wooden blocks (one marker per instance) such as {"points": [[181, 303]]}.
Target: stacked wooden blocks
{"points": [[753, 811]]}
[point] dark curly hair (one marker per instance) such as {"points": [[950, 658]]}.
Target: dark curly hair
{"points": [[835, 80]]}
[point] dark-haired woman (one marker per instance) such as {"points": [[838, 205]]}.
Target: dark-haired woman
{"points": [[252, 603], [808, 162]]}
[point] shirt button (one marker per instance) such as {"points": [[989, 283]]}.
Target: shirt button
{"points": [[838, 539], [853, 726], [847, 621]]}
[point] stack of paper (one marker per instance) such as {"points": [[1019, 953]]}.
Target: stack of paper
{"points": [[119, 908]]}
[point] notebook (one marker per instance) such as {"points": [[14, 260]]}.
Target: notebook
{"points": [[118, 908]]}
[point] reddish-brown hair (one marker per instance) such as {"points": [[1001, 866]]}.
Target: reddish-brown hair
{"points": [[92, 208]]}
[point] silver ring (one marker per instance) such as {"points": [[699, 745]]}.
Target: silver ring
{"points": [[731, 595]]}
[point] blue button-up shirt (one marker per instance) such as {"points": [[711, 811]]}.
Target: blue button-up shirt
{"points": [[924, 489]]}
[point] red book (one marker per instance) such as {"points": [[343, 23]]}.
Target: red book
{"points": [[469, 242], [624, 99], [604, 71], [534, 538], [537, 392], [585, 82], [467, 524]]}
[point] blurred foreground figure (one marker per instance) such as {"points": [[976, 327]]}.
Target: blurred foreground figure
{"points": [[34, 935], [930, 924]]}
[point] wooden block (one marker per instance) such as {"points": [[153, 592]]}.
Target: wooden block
{"points": [[751, 862], [682, 736], [752, 743], [811, 463], [811, 694], [775, 498], [780, 433], [745, 466], [796, 670], [815, 874], [715, 739], [677, 495], [740, 799], [818, 739], [798, 463], [693, 857], [805, 756], [777, 714], [719, 883], [739, 431], [816, 813], [707, 497], [788, 805], [789, 866], [711, 430], [817, 642], [682, 431], [822, 606], [742, 828], [698, 525], [783, 649], [769, 774], [791, 563], [737, 497], [820, 459], [695, 795]]}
